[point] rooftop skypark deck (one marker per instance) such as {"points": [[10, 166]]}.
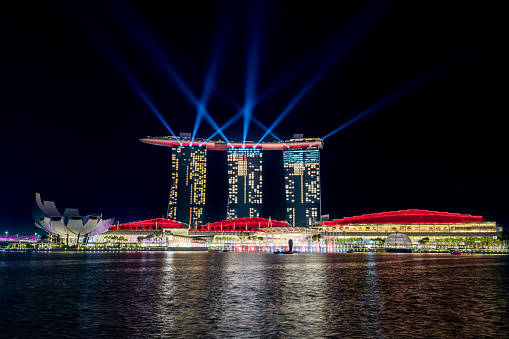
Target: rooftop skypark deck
{"points": [[171, 141]]}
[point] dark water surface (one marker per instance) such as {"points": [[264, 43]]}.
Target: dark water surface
{"points": [[260, 295]]}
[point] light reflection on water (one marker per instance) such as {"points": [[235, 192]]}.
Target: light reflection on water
{"points": [[178, 294]]}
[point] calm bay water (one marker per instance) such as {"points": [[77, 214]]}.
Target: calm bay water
{"points": [[217, 295]]}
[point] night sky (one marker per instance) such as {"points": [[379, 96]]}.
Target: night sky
{"points": [[424, 85]]}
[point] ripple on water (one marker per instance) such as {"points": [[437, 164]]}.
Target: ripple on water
{"points": [[164, 294]]}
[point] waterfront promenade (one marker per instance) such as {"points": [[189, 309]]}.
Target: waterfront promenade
{"points": [[241, 249]]}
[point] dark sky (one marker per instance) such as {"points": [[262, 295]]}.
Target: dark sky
{"points": [[432, 76]]}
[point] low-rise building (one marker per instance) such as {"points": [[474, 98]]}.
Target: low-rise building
{"points": [[434, 226]]}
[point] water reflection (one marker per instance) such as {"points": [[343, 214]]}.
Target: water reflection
{"points": [[178, 294]]}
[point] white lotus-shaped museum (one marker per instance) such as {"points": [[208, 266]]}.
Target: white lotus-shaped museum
{"points": [[47, 217]]}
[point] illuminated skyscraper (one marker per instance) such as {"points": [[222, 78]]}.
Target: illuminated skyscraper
{"points": [[188, 183], [244, 182], [189, 169], [302, 184]]}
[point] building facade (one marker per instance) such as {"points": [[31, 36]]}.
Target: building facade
{"points": [[302, 185], [245, 189], [188, 185], [244, 182], [70, 226], [436, 227]]}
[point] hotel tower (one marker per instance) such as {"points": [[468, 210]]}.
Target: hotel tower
{"points": [[188, 184], [302, 184], [301, 160], [244, 182]]}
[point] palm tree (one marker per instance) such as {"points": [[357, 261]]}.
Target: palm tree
{"points": [[424, 241], [122, 239], [159, 235], [503, 237], [379, 241]]}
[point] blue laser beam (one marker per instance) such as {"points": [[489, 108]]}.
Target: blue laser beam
{"points": [[130, 78], [264, 128], [154, 109], [222, 36], [291, 105], [353, 33], [152, 47], [228, 123], [252, 64], [250, 91], [408, 87], [208, 88], [122, 68], [189, 95], [356, 118]]}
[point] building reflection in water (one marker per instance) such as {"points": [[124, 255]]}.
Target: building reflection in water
{"points": [[281, 297], [381, 295], [265, 295], [354, 303], [178, 294]]}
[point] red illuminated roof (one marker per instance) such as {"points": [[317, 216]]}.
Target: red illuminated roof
{"points": [[241, 224], [157, 224], [223, 146], [408, 217]]}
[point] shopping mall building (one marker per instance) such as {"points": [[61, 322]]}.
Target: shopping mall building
{"points": [[265, 234], [417, 224]]}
